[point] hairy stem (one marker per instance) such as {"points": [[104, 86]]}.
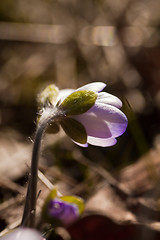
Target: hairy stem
{"points": [[34, 172], [28, 218]]}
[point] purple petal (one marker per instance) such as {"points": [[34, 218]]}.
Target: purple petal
{"points": [[96, 87], [110, 99], [112, 116], [103, 121], [66, 212], [102, 142], [95, 126]]}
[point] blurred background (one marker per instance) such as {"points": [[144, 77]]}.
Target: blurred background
{"points": [[72, 43]]}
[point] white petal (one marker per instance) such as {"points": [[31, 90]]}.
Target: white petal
{"points": [[96, 87], [110, 99], [23, 234], [102, 142], [95, 126], [79, 144], [112, 116]]}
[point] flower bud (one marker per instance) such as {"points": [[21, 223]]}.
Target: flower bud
{"points": [[48, 95]]}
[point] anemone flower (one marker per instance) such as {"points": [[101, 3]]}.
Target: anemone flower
{"points": [[88, 114]]}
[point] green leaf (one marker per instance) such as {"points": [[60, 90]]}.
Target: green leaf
{"points": [[76, 200], [48, 95], [78, 102], [53, 128], [74, 130]]}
